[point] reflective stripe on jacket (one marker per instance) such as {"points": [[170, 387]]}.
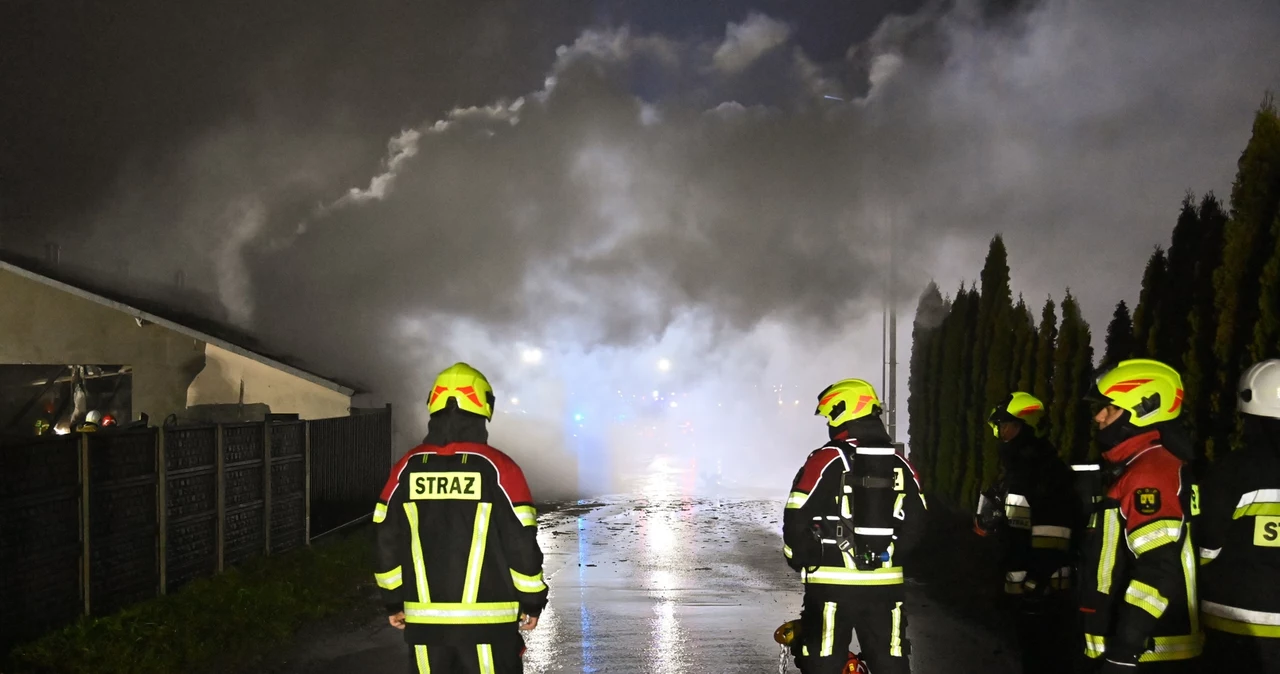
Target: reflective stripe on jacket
{"points": [[1238, 534], [879, 509]]}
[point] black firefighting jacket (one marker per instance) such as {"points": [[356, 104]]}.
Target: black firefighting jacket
{"points": [[1238, 533], [1138, 566], [1041, 512], [457, 545], [866, 495]]}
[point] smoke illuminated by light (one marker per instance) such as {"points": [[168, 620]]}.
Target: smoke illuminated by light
{"points": [[664, 365]]}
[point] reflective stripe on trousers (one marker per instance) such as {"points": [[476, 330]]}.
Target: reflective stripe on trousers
{"points": [[484, 655]]}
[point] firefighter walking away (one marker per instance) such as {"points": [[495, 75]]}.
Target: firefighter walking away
{"points": [[1138, 568], [854, 511], [1033, 511], [1238, 533], [459, 565]]}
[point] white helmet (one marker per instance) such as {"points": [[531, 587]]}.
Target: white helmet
{"points": [[1259, 390], [93, 417]]}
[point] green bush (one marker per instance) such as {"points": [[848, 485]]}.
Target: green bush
{"points": [[212, 623]]}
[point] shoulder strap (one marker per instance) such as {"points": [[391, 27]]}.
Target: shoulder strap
{"points": [[850, 451]]}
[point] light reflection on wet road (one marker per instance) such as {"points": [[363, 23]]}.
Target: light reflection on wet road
{"points": [[664, 584]]}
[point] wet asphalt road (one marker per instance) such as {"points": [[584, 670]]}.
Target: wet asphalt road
{"points": [[664, 583]]}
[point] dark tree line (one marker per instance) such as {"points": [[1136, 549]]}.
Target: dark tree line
{"points": [[1209, 306]]}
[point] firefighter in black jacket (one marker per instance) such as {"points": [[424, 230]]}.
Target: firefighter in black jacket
{"points": [[458, 557], [1039, 513], [1138, 568], [854, 511], [1238, 533]]}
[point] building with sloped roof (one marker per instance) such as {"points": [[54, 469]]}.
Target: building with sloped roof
{"points": [[67, 347]]}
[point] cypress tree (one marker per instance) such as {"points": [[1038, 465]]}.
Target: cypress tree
{"points": [[970, 449], [935, 401], [1046, 346], [1146, 314], [1024, 376], [1247, 245], [1082, 369], [1072, 370], [1266, 334], [1175, 309], [1119, 336], [1263, 198], [951, 398], [921, 384], [1199, 381], [997, 301]]}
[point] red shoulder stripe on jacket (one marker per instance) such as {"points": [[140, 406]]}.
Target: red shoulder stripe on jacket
{"points": [[510, 477], [814, 467], [914, 475], [394, 481]]}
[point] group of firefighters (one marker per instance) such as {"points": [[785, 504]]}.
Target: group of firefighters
{"points": [[1153, 571], [93, 421], [1155, 568]]}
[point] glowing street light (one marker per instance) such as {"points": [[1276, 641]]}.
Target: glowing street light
{"points": [[664, 365], [531, 356], [515, 401]]}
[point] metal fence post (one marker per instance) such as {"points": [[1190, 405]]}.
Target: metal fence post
{"points": [[306, 476], [220, 486], [266, 486], [162, 511], [86, 559]]}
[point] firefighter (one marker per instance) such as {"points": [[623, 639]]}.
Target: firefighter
{"points": [[1238, 533], [854, 511], [1039, 513], [91, 422], [1138, 568], [459, 564]]}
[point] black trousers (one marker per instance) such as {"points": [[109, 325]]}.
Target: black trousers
{"points": [[468, 659], [826, 630], [1227, 652], [1048, 640]]}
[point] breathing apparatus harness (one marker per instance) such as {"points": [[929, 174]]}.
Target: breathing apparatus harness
{"points": [[838, 529]]}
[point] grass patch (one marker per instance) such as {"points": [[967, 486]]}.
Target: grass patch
{"points": [[215, 623]]}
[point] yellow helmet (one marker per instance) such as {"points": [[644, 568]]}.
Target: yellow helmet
{"points": [[846, 400], [1017, 406], [1149, 390], [467, 386]]}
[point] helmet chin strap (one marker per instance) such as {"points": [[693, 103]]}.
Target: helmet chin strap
{"points": [[1118, 431]]}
